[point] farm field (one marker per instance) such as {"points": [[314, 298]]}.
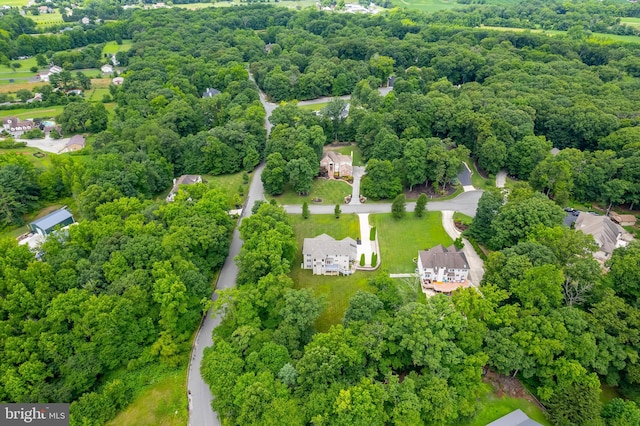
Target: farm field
{"points": [[22, 113], [401, 239], [47, 19]]}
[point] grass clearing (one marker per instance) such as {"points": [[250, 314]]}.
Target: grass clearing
{"points": [[162, 403], [230, 185], [15, 3], [336, 291], [313, 107], [462, 218], [494, 407], [111, 47], [347, 150], [22, 113], [401, 239], [40, 163], [595, 37], [96, 95], [330, 190], [100, 83], [427, 5], [21, 84], [476, 178]]}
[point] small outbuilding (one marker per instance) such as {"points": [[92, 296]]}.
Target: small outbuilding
{"points": [[623, 219], [76, 143], [106, 69], [515, 418], [210, 93], [45, 225]]}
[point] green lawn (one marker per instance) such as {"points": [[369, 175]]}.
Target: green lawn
{"points": [[96, 95], [230, 184], [400, 240], [331, 191], [314, 107], [476, 178], [493, 408], [463, 218], [162, 403], [15, 3], [347, 150], [427, 5], [111, 48], [45, 112], [336, 290], [41, 163]]}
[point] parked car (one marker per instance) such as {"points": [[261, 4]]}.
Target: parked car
{"points": [[568, 209]]}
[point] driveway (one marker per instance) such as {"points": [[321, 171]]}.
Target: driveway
{"points": [[49, 145], [476, 265], [358, 172], [501, 179], [464, 177]]}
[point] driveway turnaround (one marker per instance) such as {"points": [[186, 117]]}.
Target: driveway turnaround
{"points": [[476, 265]]}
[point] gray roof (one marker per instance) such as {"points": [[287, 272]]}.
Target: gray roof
{"points": [[76, 139], [337, 158], [188, 179], [210, 93], [324, 245], [52, 219], [443, 257], [515, 418], [604, 231]]}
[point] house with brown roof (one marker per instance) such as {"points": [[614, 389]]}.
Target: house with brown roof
{"points": [[182, 180], [337, 165], [325, 255], [16, 127], [623, 219], [442, 270], [76, 143], [607, 234]]}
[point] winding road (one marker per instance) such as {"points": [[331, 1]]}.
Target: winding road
{"points": [[199, 394]]}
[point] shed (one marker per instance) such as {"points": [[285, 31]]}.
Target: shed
{"points": [[623, 219], [45, 225], [75, 143]]}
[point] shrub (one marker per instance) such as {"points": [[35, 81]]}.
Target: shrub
{"points": [[33, 134], [362, 259], [374, 259], [55, 134], [305, 210], [337, 211], [10, 143], [372, 233], [245, 177], [458, 243]]}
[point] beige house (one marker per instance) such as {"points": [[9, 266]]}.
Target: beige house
{"points": [[337, 165], [326, 256], [182, 180], [608, 235], [76, 143], [442, 270]]}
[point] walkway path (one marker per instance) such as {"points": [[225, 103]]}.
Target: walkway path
{"points": [[476, 265], [501, 179]]}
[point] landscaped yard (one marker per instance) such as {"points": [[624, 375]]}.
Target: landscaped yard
{"points": [[329, 190], [41, 163], [400, 240], [336, 290], [494, 407]]}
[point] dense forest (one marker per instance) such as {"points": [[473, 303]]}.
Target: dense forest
{"points": [[546, 313]]}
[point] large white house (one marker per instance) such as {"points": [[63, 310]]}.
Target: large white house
{"points": [[326, 256], [182, 180], [442, 269]]}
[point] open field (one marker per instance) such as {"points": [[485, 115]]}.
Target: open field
{"points": [[632, 22], [47, 19], [111, 47], [15, 3], [19, 84], [162, 403], [494, 407], [313, 107], [100, 83], [336, 290], [596, 37], [22, 113], [331, 191], [427, 5], [401, 239], [96, 95]]}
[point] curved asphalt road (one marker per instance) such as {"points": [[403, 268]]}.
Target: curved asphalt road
{"points": [[200, 411]]}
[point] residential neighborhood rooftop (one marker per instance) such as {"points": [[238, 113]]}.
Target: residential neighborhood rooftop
{"points": [[324, 244], [52, 219], [440, 256], [514, 418]]}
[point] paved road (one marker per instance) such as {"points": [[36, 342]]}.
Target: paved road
{"points": [[465, 175], [200, 411]]}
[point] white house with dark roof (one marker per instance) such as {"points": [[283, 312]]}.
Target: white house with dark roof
{"points": [[607, 234], [442, 269], [324, 255], [182, 180]]}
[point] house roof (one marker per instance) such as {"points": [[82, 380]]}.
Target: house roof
{"points": [[52, 219], [76, 140], [210, 93], [9, 120], [106, 66], [619, 218], [323, 245], [337, 158], [188, 179], [443, 257], [604, 231], [514, 418]]}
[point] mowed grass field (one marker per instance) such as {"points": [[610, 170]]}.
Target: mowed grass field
{"points": [[329, 190], [22, 113], [596, 37], [427, 5], [111, 48], [47, 19], [401, 239], [336, 291]]}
